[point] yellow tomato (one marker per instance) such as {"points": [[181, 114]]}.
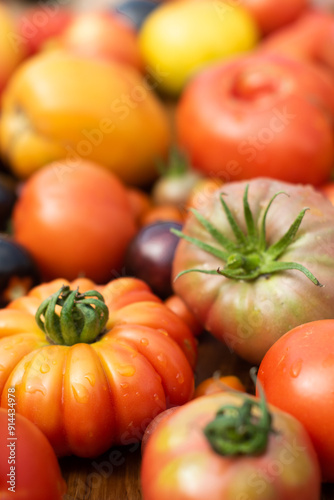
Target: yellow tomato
{"points": [[63, 107], [179, 38]]}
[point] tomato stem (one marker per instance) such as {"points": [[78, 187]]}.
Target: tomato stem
{"points": [[82, 316], [241, 430], [248, 257]]}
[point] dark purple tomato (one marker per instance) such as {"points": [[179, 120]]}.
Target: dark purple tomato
{"points": [[150, 255], [18, 271], [136, 11]]}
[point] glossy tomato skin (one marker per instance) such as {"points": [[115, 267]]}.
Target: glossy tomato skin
{"points": [[259, 115], [150, 254], [28, 459], [179, 463], [297, 375], [249, 316], [89, 396], [74, 222]]}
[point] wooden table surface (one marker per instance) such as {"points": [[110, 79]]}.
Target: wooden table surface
{"points": [[115, 475]]}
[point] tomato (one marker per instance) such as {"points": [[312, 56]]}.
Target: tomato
{"points": [[180, 38], [162, 213], [62, 107], [28, 464], [260, 263], [297, 374], [215, 447], [74, 222], [218, 383], [104, 35], [178, 306], [139, 201], [94, 376], [176, 181], [38, 25], [150, 254], [308, 38], [12, 50], [273, 14], [259, 115]]}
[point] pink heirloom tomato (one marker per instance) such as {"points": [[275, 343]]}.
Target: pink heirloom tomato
{"points": [[256, 260], [229, 446]]}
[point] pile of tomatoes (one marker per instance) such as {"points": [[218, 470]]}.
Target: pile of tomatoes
{"points": [[167, 170]]}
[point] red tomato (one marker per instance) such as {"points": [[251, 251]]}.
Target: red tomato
{"points": [[259, 115], [77, 224], [104, 35], [37, 25], [192, 453], [272, 14], [28, 464], [297, 375]]}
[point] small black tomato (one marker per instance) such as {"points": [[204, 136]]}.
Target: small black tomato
{"points": [[150, 256], [18, 272]]}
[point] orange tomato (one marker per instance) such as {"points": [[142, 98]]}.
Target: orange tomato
{"points": [[139, 201], [217, 384], [161, 213], [77, 224], [100, 380], [179, 307]]}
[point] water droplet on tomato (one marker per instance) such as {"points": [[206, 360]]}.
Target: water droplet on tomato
{"points": [[35, 386], [45, 368], [126, 370], [81, 393], [91, 378], [155, 397], [163, 332], [180, 378], [296, 368], [162, 359], [124, 386], [144, 341]]}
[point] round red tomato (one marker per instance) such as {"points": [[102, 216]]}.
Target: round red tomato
{"points": [[74, 221], [259, 115], [297, 375], [201, 451], [28, 464]]}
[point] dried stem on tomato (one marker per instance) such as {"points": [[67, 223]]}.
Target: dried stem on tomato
{"points": [[241, 430]]}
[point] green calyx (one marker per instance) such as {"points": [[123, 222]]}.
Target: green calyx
{"points": [[82, 316], [241, 430], [248, 257], [176, 166]]}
